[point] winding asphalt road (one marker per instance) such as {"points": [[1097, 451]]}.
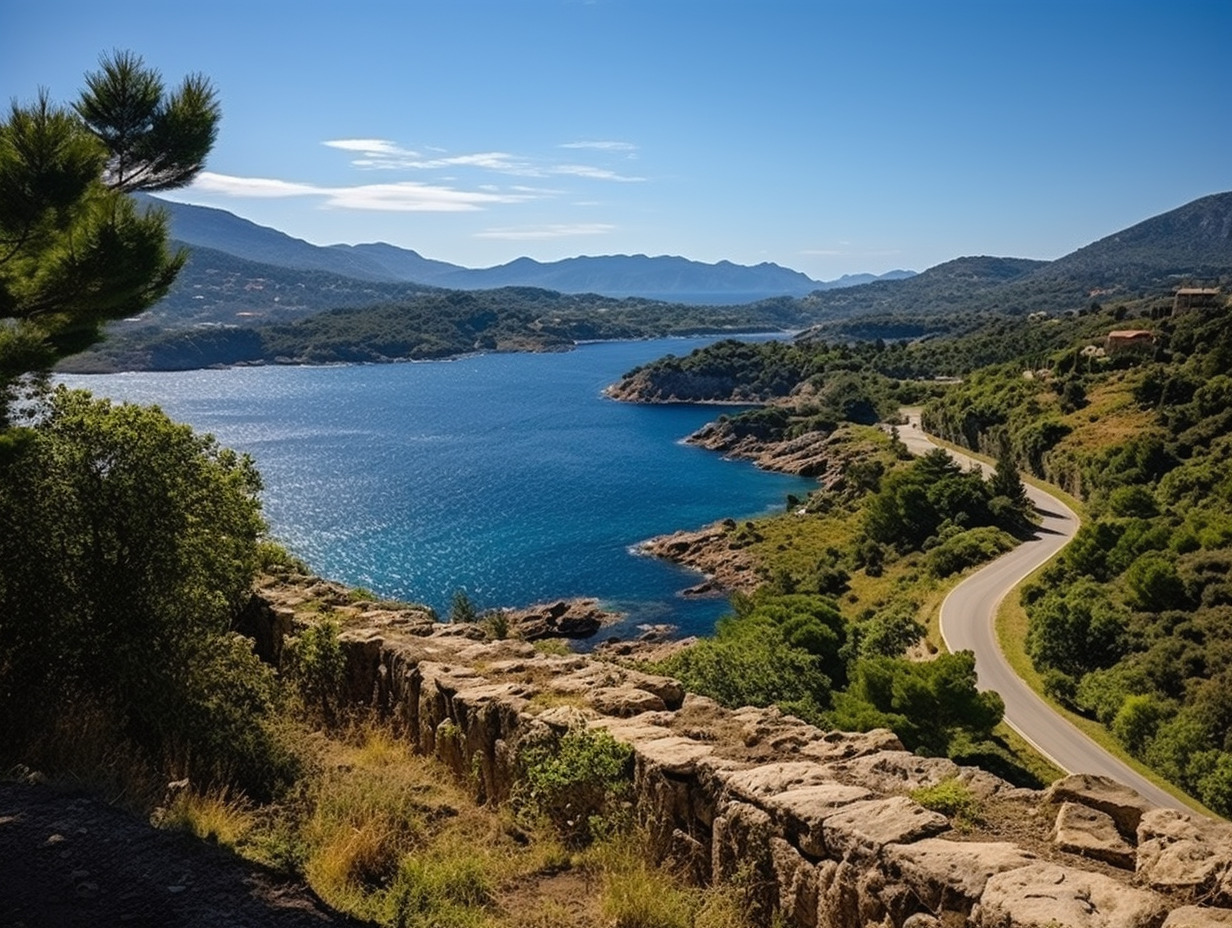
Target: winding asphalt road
{"points": [[967, 624]]}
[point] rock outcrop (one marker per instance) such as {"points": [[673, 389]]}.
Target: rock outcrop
{"points": [[566, 618], [821, 827]]}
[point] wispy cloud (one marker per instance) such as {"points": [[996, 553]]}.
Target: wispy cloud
{"points": [[558, 230], [585, 170], [602, 146], [407, 196], [372, 147], [382, 154]]}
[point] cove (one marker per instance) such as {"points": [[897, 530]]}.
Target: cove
{"points": [[509, 476]]}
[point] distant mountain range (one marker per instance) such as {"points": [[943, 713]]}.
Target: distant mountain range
{"points": [[1190, 244], [253, 295], [668, 278]]}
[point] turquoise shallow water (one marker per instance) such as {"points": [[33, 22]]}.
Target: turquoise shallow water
{"points": [[508, 476]]}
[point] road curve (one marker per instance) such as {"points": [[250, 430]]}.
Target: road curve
{"points": [[968, 616]]}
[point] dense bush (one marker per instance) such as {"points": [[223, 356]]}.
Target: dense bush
{"points": [[127, 546], [580, 783]]}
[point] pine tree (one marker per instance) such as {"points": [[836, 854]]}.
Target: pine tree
{"points": [[75, 250], [1006, 483]]}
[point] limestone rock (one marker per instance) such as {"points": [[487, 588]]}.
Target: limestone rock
{"points": [[859, 831], [624, 701], [804, 810], [797, 883], [1082, 830], [1045, 894], [566, 618], [678, 756], [755, 784], [1126, 806], [844, 745], [1193, 916], [1180, 852], [950, 875]]}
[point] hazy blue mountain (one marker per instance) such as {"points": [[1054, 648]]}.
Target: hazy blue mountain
{"points": [[206, 227], [669, 278]]}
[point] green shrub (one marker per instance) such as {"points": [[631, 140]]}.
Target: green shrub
{"points": [[952, 799], [966, 549], [579, 783], [128, 545], [315, 663]]}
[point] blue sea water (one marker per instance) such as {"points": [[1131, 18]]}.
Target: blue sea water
{"points": [[508, 476]]}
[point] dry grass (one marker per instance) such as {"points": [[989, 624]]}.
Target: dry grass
{"points": [[87, 749], [213, 816]]}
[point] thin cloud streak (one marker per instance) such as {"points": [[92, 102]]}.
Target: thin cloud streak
{"points": [[384, 155], [537, 233], [406, 196]]}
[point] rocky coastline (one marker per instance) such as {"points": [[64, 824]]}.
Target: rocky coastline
{"points": [[719, 551]]}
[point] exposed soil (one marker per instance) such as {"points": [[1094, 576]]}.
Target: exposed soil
{"points": [[68, 860]]}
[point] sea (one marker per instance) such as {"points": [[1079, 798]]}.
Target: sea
{"points": [[510, 477]]}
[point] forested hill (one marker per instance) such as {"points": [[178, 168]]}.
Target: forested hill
{"points": [[434, 324], [1129, 626], [662, 277], [1192, 243]]}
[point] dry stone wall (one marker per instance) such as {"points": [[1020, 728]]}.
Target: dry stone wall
{"points": [[820, 825]]}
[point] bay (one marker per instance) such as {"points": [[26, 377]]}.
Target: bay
{"points": [[508, 476]]}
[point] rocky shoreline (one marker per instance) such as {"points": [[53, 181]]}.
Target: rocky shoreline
{"points": [[719, 550]]}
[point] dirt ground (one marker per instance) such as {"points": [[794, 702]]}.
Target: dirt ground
{"points": [[69, 861]]}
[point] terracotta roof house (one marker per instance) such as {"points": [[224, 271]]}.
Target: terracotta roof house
{"points": [[1121, 341], [1189, 299]]}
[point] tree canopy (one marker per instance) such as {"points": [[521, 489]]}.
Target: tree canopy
{"points": [[75, 250]]}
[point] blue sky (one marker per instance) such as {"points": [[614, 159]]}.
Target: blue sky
{"points": [[830, 137]]}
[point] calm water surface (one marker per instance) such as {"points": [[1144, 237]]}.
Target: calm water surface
{"points": [[508, 476]]}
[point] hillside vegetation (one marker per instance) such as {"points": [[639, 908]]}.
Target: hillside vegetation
{"points": [[1130, 625], [434, 324]]}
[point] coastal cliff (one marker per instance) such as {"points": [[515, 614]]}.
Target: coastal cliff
{"points": [[826, 828]]}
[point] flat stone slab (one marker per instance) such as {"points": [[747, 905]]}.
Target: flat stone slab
{"points": [[673, 754], [952, 874], [807, 808], [757, 783], [1193, 916], [1092, 833], [1046, 894], [1126, 806], [859, 831]]}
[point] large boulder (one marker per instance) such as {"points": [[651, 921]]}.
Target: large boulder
{"points": [[1045, 894], [1082, 830], [1124, 805], [1193, 916], [859, 831], [949, 876], [566, 618], [1187, 855]]}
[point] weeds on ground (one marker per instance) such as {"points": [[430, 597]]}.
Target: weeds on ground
{"points": [[953, 800], [213, 816]]}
